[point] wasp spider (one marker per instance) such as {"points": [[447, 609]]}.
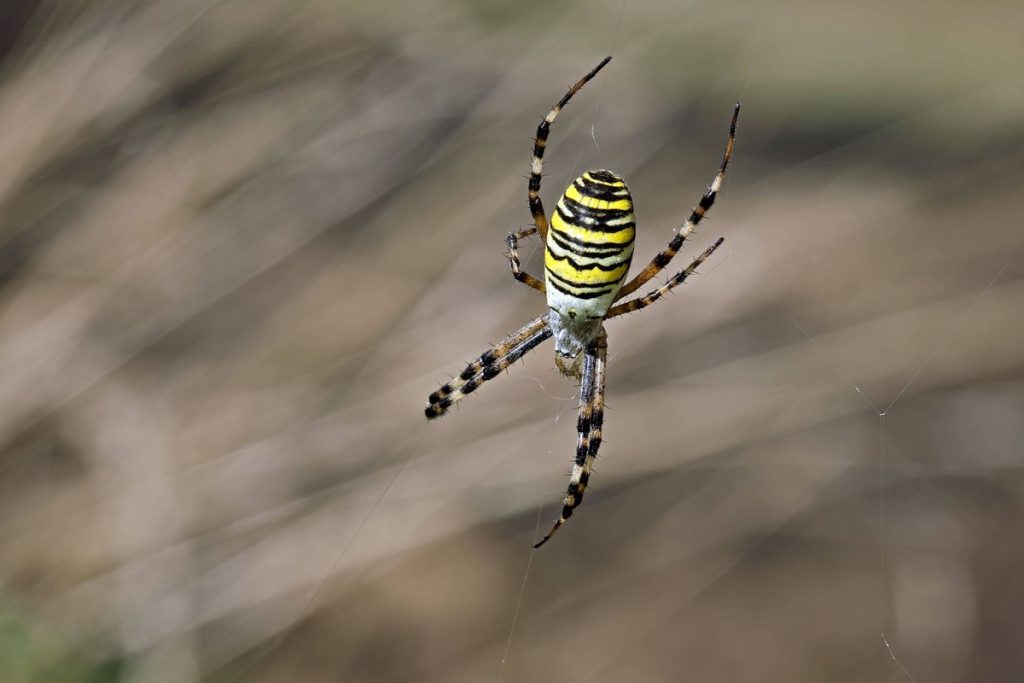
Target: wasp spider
{"points": [[588, 249]]}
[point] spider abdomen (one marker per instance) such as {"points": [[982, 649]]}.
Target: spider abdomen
{"points": [[588, 251]]}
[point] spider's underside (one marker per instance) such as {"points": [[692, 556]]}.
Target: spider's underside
{"points": [[588, 249]]}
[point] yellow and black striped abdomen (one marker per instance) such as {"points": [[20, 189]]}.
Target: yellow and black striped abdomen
{"points": [[589, 245]]}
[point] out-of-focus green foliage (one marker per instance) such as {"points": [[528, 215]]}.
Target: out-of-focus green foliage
{"points": [[31, 652]]}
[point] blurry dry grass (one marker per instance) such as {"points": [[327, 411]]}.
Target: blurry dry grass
{"points": [[241, 242]]}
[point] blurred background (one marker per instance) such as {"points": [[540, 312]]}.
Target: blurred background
{"points": [[241, 242]]}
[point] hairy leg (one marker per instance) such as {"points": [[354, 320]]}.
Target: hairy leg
{"points": [[488, 366], [677, 279], [589, 430], [540, 142], [664, 257]]}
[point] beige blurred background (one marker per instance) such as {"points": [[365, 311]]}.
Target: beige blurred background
{"points": [[242, 241]]}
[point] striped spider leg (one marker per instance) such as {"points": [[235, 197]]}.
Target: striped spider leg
{"points": [[540, 221], [488, 366], [677, 279], [588, 428], [540, 142], [592, 389], [664, 257]]}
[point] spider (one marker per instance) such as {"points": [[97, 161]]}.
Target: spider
{"points": [[588, 249]]}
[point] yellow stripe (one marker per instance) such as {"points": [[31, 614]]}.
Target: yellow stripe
{"points": [[623, 237], [585, 276], [594, 203]]}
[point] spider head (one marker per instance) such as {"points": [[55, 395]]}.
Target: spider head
{"points": [[572, 332]]}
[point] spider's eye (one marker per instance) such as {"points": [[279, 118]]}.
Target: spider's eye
{"points": [[572, 315]]}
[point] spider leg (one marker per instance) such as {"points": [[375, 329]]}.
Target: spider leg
{"points": [[677, 279], [539, 143], [664, 257], [488, 366], [589, 425], [513, 259]]}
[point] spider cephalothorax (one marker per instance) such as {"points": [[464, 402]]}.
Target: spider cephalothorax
{"points": [[588, 246], [572, 335]]}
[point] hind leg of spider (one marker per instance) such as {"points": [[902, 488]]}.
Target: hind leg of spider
{"points": [[513, 259], [677, 279], [664, 257], [589, 428], [540, 142], [488, 366]]}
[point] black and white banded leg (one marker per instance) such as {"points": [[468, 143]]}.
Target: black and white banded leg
{"points": [[588, 427], [488, 366], [540, 142], [677, 279], [663, 258]]}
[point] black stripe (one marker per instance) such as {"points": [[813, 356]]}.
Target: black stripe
{"points": [[580, 285], [561, 284], [707, 200], [600, 216], [574, 246], [493, 369], [585, 295], [584, 243], [599, 266], [599, 191], [528, 344], [605, 176]]}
